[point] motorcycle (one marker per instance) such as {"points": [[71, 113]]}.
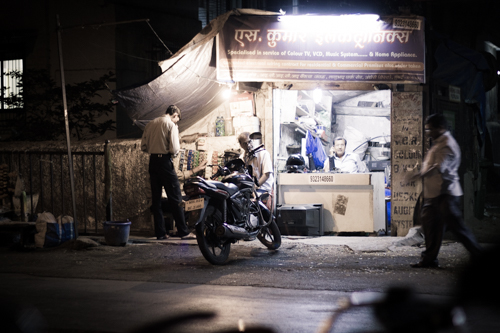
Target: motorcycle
{"points": [[228, 211]]}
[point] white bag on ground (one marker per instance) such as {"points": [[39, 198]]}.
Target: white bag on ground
{"points": [[46, 226]]}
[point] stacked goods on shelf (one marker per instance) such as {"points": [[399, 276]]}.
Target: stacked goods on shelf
{"points": [[202, 158], [220, 126], [182, 159], [214, 162], [190, 159]]}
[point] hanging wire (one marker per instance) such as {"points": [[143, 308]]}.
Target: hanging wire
{"points": [[119, 52], [99, 26], [171, 54]]}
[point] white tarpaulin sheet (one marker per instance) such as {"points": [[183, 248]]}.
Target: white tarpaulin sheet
{"points": [[188, 80]]}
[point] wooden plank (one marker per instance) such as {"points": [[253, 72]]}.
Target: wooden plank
{"points": [[407, 154]]}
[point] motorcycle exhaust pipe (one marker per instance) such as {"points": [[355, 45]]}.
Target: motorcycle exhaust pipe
{"points": [[231, 231]]}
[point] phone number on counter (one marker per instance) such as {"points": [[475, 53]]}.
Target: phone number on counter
{"points": [[321, 179]]}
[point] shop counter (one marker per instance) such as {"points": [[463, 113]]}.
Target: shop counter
{"points": [[351, 202]]}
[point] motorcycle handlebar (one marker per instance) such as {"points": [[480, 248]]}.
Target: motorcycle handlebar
{"points": [[221, 171]]}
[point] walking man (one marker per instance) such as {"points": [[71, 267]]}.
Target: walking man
{"points": [[161, 140], [441, 192]]}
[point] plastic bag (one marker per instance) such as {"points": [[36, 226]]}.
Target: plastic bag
{"points": [[315, 148], [52, 232], [67, 228], [48, 231]]}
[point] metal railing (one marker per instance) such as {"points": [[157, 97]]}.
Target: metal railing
{"points": [[46, 179]]}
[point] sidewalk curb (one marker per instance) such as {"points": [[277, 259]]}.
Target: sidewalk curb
{"points": [[355, 243]]}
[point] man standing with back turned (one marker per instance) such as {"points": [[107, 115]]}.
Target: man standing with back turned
{"points": [[161, 140], [442, 191]]}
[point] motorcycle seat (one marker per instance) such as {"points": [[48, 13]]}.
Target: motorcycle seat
{"points": [[228, 187]]}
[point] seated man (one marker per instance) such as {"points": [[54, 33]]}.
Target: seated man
{"points": [[342, 161], [259, 159]]}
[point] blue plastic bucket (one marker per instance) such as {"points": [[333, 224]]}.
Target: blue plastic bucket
{"points": [[116, 233]]}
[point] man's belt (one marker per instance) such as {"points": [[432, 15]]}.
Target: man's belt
{"points": [[161, 155]]}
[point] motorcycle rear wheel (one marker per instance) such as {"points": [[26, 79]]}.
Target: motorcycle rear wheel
{"points": [[270, 236], [212, 247]]}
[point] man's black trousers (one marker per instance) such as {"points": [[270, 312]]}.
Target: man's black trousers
{"points": [[163, 175], [442, 214]]}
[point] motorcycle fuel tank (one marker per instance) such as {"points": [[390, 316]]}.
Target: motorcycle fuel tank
{"points": [[242, 180]]}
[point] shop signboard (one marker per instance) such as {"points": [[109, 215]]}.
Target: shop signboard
{"points": [[241, 104], [362, 48]]}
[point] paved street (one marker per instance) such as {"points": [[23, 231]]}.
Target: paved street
{"points": [[85, 286], [121, 306]]}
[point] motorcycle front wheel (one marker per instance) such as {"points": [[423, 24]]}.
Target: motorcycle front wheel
{"points": [[270, 236], [212, 247]]}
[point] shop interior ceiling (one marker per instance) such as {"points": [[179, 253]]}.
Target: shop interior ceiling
{"points": [[339, 96], [365, 102], [188, 80]]}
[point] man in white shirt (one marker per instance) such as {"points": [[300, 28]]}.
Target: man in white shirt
{"points": [[345, 162], [259, 159], [161, 140], [441, 192]]}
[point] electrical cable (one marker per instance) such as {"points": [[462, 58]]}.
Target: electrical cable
{"points": [[370, 139], [98, 26], [207, 78]]}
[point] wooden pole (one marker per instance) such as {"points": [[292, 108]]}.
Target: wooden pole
{"points": [[66, 122], [108, 181]]}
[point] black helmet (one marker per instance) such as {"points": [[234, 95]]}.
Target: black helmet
{"points": [[295, 164]]}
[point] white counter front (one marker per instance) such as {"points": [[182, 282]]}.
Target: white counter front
{"points": [[351, 202]]}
